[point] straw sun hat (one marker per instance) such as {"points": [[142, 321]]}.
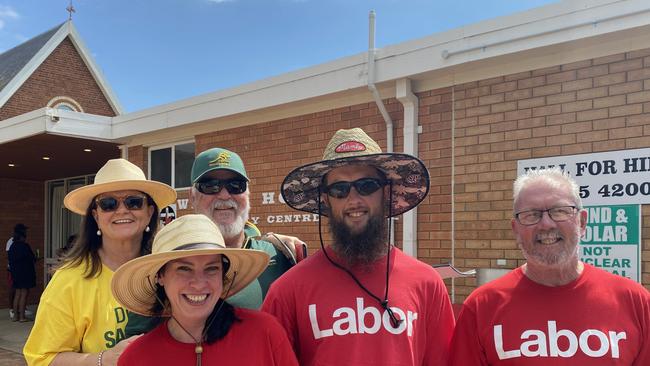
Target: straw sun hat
{"points": [[134, 282], [119, 175], [408, 174]]}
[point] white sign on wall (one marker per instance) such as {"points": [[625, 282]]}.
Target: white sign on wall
{"points": [[609, 178]]}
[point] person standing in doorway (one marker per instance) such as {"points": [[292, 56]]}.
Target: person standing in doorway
{"points": [[21, 262]]}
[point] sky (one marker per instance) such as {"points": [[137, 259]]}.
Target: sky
{"points": [[153, 52]]}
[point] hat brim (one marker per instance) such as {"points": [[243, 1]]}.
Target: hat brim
{"points": [[79, 200], [409, 176], [133, 284]]}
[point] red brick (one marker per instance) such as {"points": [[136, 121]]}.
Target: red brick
{"points": [[592, 136], [547, 131], [532, 102], [518, 114], [608, 123], [561, 77], [503, 87], [626, 65], [577, 84], [547, 110], [576, 127], [638, 53], [589, 72], [561, 118], [503, 107], [582, 148], [639, 97], [547, 89], [592, 114], [621, 133], [609, 59], [638, 74], [531, 82], [576, 65], [592, 93], [609, 79], [609, 101], [490, 118], [577, 106], [564, 139], [626, 110], [518, 94], [491, 99], [625, 88], [561, 98], [547, 70]]}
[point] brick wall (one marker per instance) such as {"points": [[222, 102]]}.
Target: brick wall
{"points": [[18, 209], [588, 106], [63, 73]]}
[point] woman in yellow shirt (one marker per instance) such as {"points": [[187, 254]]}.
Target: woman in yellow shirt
{"points": [[79, 322]]}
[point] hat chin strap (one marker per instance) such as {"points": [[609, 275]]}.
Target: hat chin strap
{"points": [[199, 342], [384, 303]]}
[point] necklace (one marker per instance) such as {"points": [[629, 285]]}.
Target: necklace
{"points": [[198, 348]]}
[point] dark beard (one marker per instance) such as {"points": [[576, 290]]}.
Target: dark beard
{"points": [[363, 248]]}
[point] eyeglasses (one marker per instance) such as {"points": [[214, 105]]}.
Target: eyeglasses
{"points": [[557, 214], [214, 186], [364, 186], [108, 204]]}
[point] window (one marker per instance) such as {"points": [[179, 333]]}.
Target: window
{"points": [[65, 104], [172, 164]]}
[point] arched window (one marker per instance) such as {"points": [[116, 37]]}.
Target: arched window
{"points": [[65, 104]]}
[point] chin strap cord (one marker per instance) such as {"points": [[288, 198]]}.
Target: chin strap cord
{"points": [[384, 303]]}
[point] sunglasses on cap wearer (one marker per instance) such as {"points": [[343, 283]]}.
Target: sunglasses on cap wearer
{"points": [[109, 203], [364, 186], [214, 186]]}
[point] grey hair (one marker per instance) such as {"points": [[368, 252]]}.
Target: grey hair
{"points": [[555, 177]]}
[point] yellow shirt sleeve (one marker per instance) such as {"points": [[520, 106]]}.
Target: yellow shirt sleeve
{"points": [[75, 314]]}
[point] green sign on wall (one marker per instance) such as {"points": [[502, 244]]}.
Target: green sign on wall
{"points": [[612, 239]]}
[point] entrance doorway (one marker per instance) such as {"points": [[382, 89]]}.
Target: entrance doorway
{"points": [[60, 223]]}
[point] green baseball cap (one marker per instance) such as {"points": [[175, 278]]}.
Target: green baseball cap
{"points": [[216, 159]]}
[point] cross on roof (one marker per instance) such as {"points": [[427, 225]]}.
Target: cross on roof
{"points": [[70, 10]]}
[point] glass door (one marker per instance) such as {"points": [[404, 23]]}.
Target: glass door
{"points": [[61, 223]]}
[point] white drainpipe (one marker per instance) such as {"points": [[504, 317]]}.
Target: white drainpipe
{"points": [[411, 129], [375, 94]]}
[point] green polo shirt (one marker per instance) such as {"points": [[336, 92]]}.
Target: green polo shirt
{"points": [[250, 297]]}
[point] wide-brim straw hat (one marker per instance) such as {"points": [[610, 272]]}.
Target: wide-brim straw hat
{"points": [[134, 283], [301, 188], [119, 175]]}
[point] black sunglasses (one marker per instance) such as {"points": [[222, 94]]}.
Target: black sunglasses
{"points": [[214, 186], [108, 203], [364, 186]]}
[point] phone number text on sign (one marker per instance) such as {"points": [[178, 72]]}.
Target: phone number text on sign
{"points": [[615, 177]]}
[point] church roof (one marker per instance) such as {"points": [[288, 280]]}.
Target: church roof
{"points": [[18, 64]]}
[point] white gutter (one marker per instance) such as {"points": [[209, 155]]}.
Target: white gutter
{"points": [[453, 190], [371, 83], [411, 105], [378, 101]]}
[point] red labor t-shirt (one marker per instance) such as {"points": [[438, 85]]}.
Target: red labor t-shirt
{"points": [[331, 321], [257, 339], [598, 319]]}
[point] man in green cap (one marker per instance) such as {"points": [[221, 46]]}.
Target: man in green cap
{"points": [[220, 191]]}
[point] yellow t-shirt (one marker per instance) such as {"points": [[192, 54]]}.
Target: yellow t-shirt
{"points": [[75, 314]]}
